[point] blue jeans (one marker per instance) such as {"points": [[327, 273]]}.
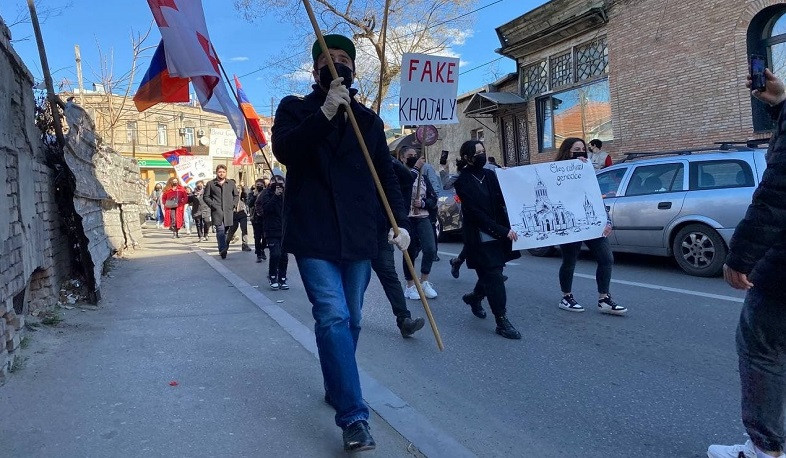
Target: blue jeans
{"points": [[422, 240], [761, 347], [335, 290]]}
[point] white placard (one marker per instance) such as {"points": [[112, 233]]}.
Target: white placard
{"points": [[191, 169], [553, 203], [222, 142], [429, 86]]}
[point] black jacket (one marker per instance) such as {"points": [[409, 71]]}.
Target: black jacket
{"points": [[272, 207], [758, 246], [222, 200], [331, 208], [483, 209], [256, 216], [198, 205]]}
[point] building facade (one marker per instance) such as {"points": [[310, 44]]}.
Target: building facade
{"points": [[639, 75]]}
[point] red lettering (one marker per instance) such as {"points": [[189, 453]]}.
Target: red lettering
{"points": [[413, 65], [440, 67], [451, 68], [427, 69]]}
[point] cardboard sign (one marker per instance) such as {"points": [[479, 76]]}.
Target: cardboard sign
{"points": [[222, 142], [429, 87], [191, 169], [553, 203]]}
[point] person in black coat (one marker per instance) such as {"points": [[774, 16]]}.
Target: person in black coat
{"points": [[257, 219], [488, 237], [200, 211], [272, 203], [331, 222], [221, 195], [756, 263]]}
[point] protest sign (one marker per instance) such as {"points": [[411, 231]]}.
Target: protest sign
{"points": [[429, 87], [191, 169], [553, 203], [222, 142]]}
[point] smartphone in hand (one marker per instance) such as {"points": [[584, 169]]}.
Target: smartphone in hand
{"points": [[757, 65]]}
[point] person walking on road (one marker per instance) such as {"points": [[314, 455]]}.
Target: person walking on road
{"points": [[257, 219], [331, 220], [755, 263], [240, 220], [158, 204], [175, 199], [272, 205], [488, 237], [221, 196], [573, 148], [200, 211]]}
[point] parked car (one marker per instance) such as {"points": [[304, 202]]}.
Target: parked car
{"points": [[684, 204], [448, 214]]}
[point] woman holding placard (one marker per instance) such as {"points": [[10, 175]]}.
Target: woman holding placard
{"points": [[574, 148], [488, 238]]}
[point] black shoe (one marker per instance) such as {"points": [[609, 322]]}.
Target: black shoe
{"points": [[357, 438], [274, 285], [455, 265], [259, 258], [409, 326], [437, 258], [223, 254], [262, 256], [282, 284], [506, 330], [245, 247], [477, 309]]}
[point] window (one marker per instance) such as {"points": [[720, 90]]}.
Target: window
{"points": [[609, 182], [720, 174], [477, 134], [592, 59], [162, 137], [583, 112], [188, 136], [534, 80], [131, 132], [561, 70], [656, 179], [777, 47]]}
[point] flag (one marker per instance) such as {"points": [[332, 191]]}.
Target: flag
{"points": [[158, 86], [241, 156], [173, 157], [252, 119], [190, 54], [187, 177]]}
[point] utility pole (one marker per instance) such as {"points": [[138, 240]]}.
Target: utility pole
{"points": [[78, 55], [50, 89], [272, 106]]}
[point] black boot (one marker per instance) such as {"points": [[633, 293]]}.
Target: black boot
{"points": [[245, 247], [505, 329], [357, 438], [474, 302], [408, 326], [455, 265]]}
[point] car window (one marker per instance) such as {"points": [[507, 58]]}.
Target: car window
{"points": [[720, 174], [656, 179], [610, 180]]}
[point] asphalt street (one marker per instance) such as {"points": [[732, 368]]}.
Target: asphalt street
{"points": [[659, 382]]}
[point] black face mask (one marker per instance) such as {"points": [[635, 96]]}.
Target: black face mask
{"points": [[260, 187], [479, 160], [343, 72], [579, 154], [411, 161]]}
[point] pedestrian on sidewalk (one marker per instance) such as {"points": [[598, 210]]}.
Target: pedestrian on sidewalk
{"points": [[188, 220], [158, 204], [240, 220], [200, 211], [175, 199], [331, 220], [574, 148], [430, 173], [422, 204], [221, 195], [755, 263], [273, 208], [599, 158], [257, 219], [488, 238]]}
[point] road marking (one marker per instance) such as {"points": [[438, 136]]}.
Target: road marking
{"points": [[648, 285], [402, 417]]}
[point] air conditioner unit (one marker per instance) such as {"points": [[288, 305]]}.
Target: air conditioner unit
{"points": [[201, 132], [182, 131]]}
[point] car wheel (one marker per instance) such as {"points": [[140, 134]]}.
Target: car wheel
{"points": [[699, 250], [438, 228], [543, 252]]}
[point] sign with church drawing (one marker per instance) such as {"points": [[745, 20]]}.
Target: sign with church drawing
{"points": [[553, 203]]}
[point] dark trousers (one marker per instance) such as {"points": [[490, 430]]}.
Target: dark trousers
{"points": [[422, 240], [761, 347], [491, 284], [201, 226], [277, 265], [241, 222], [221, 237], [173, 219], [259, 238], [600, 249], [385, 267]]}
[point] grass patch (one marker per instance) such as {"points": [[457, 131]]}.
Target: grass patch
{"points": [[17, 364], [50, 318], [24, 343]]}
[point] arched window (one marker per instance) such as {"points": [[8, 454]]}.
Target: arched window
{"points": [[767, 37]]}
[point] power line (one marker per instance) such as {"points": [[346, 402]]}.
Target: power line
{"points": [[481, 65]]}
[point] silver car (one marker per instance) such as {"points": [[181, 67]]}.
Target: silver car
{"points": [[685, 204]]}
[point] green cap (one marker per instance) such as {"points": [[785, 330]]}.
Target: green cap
{"points": [[334, 41]]}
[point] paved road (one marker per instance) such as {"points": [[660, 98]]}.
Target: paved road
{"points": [[660, 382]]}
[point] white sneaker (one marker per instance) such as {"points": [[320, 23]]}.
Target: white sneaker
{"points": [[569, 303], [428, 290], [411, 292], [732, 451]]}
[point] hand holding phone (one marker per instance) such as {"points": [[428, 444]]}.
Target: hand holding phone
{"points": [[757, 66]]}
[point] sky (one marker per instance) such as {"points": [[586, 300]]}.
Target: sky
{"points": [[242, 46]]}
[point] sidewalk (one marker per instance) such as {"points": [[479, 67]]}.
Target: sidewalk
{"points": [[100, 384]]}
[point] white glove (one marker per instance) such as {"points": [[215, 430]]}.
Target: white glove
{"points": [[402, 241], [337, 95]]}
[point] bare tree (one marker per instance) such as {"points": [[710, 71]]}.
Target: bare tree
{"points": [[423, 26], [45, 13]]}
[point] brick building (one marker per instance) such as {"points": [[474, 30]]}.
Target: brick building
{"points": [[640, 75]]}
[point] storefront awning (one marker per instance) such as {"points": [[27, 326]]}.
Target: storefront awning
{"points": [[486, 104]]}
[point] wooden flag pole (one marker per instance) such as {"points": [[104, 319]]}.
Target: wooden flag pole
{"points": [[375, 176]]}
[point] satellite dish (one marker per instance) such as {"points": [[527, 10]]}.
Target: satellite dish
{"points": [[204, 141]]}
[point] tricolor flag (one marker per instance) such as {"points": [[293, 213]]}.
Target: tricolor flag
{"points": [[242, 157], [157, 86], [252, 118], [173, 157]]}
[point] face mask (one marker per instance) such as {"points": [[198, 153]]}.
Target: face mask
{"points": [[411, 161], [260, 187], [579, 154], [343, 71], [479, 160]]}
